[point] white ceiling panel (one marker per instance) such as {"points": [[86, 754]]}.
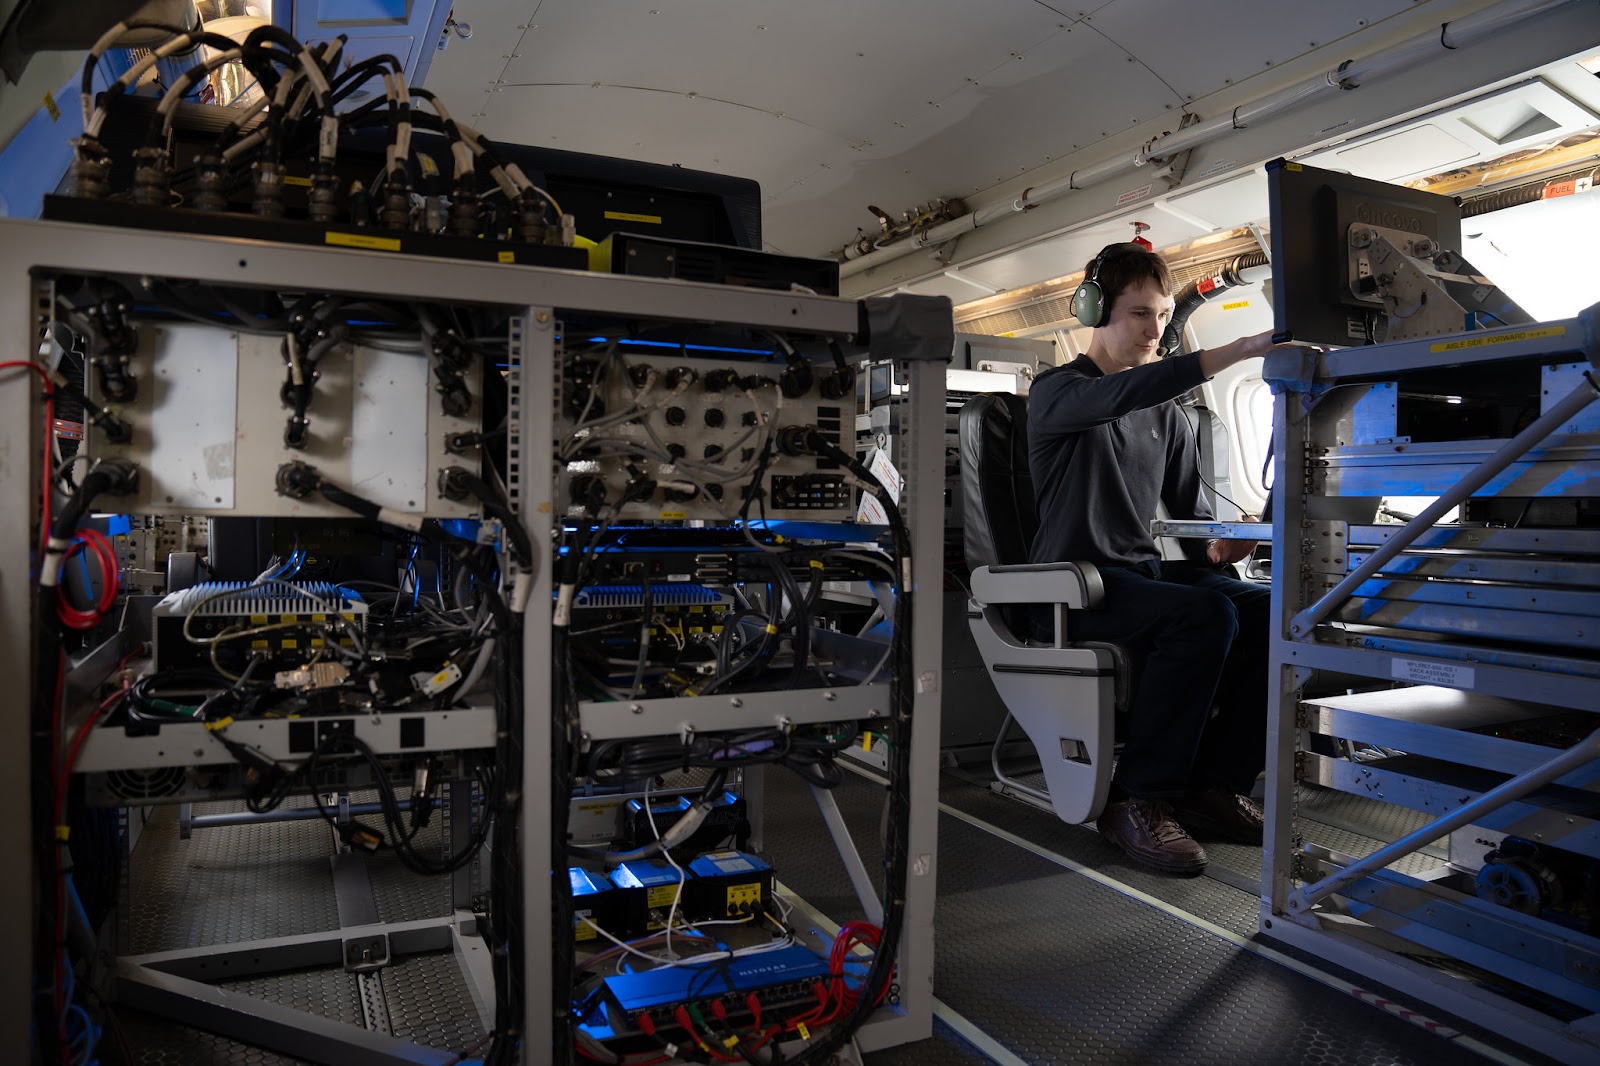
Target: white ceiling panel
{"points": [[1227, 204], [1009, 123], [661, 128], [1198, 49], [1054, 258], [781, 57], [959, 291]]}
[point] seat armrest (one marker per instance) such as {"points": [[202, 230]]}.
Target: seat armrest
{"points": [[1076, 585]]}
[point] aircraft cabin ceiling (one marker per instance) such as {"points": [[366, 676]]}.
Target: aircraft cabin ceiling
{"points": [[833, 105]]}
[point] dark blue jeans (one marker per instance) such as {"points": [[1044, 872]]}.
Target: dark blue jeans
{"points": [[1202, 637]]}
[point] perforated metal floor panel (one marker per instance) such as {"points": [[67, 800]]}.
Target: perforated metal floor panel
{"points": [[236, 883]]}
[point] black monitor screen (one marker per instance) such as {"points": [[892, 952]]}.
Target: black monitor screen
{"points": [[1312, 212]]}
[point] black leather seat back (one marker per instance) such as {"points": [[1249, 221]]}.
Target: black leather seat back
{"points": [[1001, 516]]}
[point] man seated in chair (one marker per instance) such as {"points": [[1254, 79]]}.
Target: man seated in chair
{"points": [[1107, 442]]}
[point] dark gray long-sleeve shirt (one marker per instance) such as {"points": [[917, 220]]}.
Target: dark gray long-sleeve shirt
{"points": [[1103, 449]]}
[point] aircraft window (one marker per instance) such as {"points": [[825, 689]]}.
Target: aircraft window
{"points": [[1252, 433], [1540, 253]]}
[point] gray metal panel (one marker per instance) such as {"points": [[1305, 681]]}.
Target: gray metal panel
{"points": [[1487, 538], [706, 714], [1384, 361], [1427, 720], [190, 743], [189, 434], [388, 458], [1564, 819]]}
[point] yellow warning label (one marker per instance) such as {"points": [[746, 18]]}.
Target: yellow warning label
{"points": [[1235, 305], [1500, 338], [1292, 166], [625, 216], [262, 645], [291, 643], [319, 618], [800, 1027], [50, 107], [287, 618], [363, 240], [292, 179], [582, 930], [674, 515], [662, 895], [258, 619], [506, 257]]}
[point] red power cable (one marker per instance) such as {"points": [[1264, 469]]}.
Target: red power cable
{"points": [[87, 618]]}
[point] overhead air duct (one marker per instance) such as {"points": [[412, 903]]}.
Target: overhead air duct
{"points": [[1347, 76]]}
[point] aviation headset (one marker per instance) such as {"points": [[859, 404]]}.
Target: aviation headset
{"points": [[1089, 301]]}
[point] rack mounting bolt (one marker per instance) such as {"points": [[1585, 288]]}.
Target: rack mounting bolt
{"points": [[636, 708], [830, 696], [735, 701]]}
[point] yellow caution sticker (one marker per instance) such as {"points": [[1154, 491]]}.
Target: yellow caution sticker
{"points": [[259, 619], [51, 108], [293, 179], [1236, 305], [1511, 337], [63, 833], [506, 257], [1293, 166], [800, 1027], [675, 516], [319, 618], [363, 240], [627, 216], [661, 895], [290, 644]]}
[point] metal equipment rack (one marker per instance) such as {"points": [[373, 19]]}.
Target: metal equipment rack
{"points": [[32, 254], [1451, 668]]}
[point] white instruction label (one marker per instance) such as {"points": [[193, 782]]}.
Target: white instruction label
{"points": [[1424, 672], [884, 471]]}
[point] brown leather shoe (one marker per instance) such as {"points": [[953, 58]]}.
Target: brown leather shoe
{"points": [[1218, 814], [1146, 831]]}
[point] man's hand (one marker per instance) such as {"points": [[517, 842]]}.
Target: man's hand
{"points": [[1229, 551]]}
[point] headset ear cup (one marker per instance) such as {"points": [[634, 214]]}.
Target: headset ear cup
{"points": [[1088, 303]]}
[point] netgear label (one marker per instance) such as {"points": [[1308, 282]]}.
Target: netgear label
{"points": [[1425, 672]]}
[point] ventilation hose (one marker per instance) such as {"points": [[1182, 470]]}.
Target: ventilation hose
{"points": [[1193, 296]]}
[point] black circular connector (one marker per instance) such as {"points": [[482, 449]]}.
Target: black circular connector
{"points": [[839, 383], [720, 380], [715, 417], [793, 440], [297, 480], [795, 381], [675, 416], [452, 484]]}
